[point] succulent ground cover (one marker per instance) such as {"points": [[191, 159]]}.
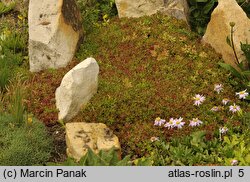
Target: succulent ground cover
{"points": [[151, 69]]}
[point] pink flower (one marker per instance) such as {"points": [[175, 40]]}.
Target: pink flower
{"points": [[198, 99], [195, 122], [215, 108], [225, 101], [153, 139], [159, 121], [242, 94], [234, 108], [234, 162], [170, 124], [223, 130], [218, 88], [178, 123]]}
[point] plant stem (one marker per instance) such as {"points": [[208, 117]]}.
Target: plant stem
{"points": [[232, 41]]}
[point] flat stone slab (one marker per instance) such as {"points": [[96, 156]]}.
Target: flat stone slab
{"points": [[96, 136]]}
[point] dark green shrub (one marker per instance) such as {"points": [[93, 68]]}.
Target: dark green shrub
{"points": [[23, 145], [245, 4], [200, 12], [95, 12]]}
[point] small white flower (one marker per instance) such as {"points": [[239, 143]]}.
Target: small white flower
{"points": [[198, 99], [153, 139], [223, 130], [215, 108], [218, 88], [170, 124], [195, 122], [242, 94], [234, 108], [225, 101], [178, 123], [159, 121], [234, 162]]}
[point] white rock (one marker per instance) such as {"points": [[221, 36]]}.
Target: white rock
{"points": [[132, 8], [76, 89], [54, 32], [218, 29], [96, 136]]}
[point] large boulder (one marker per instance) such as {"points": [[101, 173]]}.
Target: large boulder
{"points": [[54, 31], [76, 89], [218, 29], [96, 136], [131, 8]]}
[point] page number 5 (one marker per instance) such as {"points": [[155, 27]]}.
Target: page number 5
{"points": [[241, 173]]}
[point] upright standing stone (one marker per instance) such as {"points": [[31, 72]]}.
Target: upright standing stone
{"points": [[76, 89], [54, 31], [218, 29], [132, 8]]}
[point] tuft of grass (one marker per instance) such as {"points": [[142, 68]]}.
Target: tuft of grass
{"points": [[5, 76], [5, 9], [17, 108]]}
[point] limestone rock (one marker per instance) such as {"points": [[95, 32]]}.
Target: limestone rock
{"points": [[54, 31], [218, 29], [96, 136], [76, 89], [131, 8]]}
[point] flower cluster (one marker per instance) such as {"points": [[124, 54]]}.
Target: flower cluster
{"points": [[174, 123], [198, 100], [177, 122]]}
